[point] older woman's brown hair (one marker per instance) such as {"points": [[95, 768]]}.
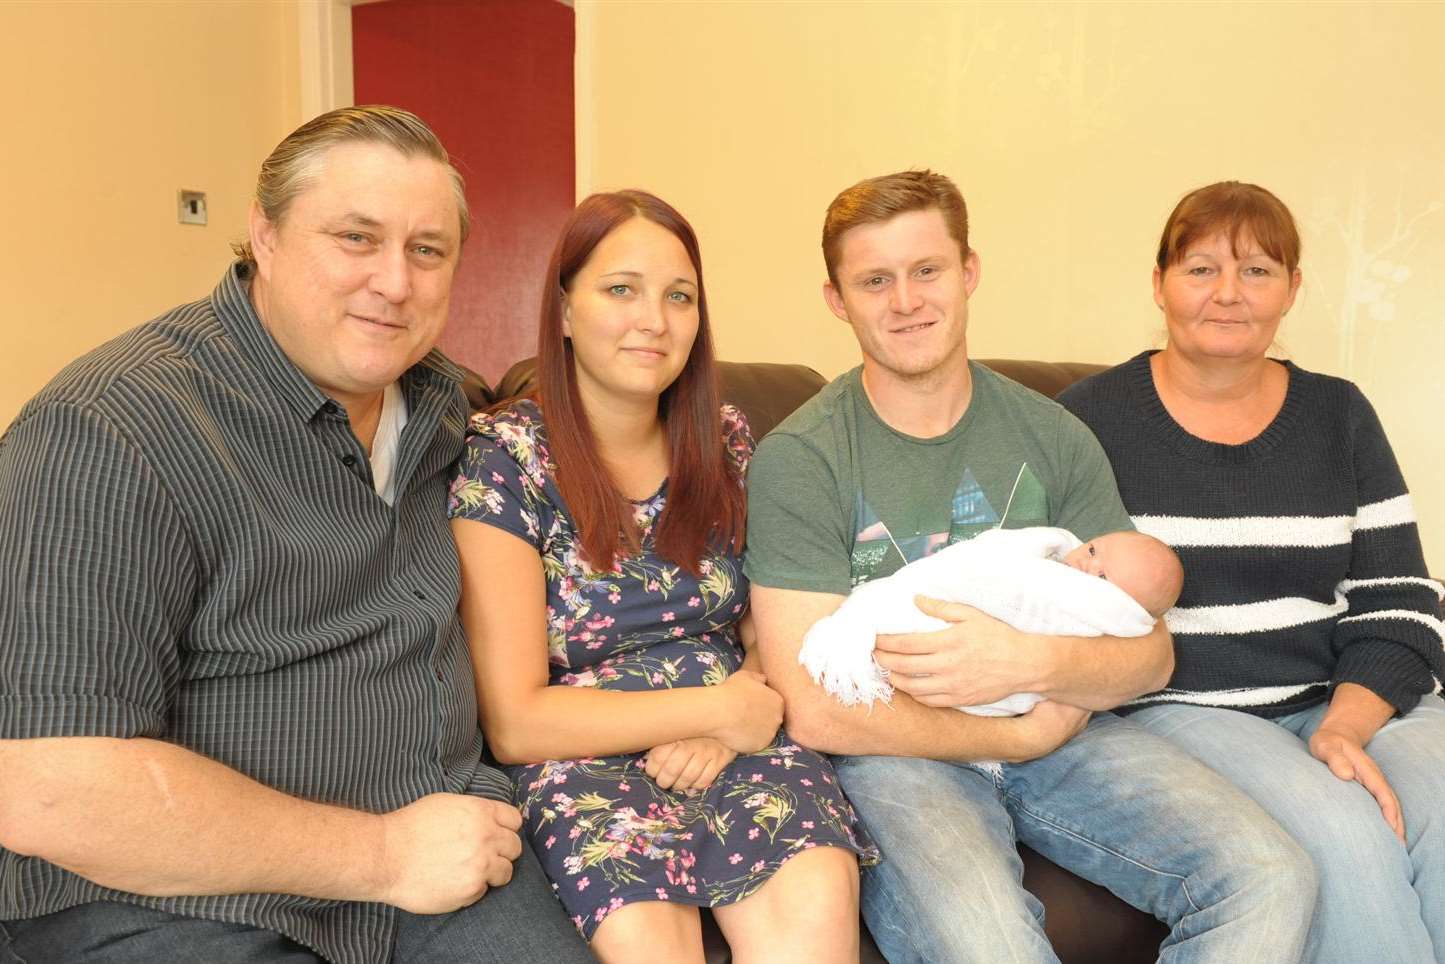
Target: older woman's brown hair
{"points": [[1236, 209]]}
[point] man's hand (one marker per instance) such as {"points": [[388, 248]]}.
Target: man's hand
{"points": [[687, 764], [1044, 729], [1344, 753], [443, 851], [752, 714], [975, 661]]}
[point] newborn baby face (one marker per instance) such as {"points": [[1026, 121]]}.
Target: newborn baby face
{"points": [[1141, 565], [1090, 558]]}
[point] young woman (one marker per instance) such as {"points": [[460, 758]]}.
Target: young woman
{"points": [[600, 528]]}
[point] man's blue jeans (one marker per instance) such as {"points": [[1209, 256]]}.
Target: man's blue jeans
{"points": [[1117, 805], [1380, 901], [521, 923]]}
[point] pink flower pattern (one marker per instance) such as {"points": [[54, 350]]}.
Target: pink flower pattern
{"points": [[604, 831]]}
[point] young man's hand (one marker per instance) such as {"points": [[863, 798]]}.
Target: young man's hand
{"points": [[975, 661], [1044, 729]]}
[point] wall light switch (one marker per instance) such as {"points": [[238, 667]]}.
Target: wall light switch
{"points": [[192, 207]]}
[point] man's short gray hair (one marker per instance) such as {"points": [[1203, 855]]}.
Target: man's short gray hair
{"points": [[296, 161]]}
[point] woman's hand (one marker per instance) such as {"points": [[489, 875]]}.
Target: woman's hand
{"points": [[687, 764], [751, 714], [1355, 715], [1344, 753]]}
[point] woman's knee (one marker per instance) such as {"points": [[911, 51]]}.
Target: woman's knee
{"points": [[809, 907], [667, 932], [830, 871], [821, 882]]}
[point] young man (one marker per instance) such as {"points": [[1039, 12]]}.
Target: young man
{"points": [[919, 448], [237, 716]]}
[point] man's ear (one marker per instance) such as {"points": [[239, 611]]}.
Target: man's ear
{"points": [[972, 271], [263, 238], [835, 302]]}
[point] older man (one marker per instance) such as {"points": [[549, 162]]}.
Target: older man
{"points": [[237, 717]]}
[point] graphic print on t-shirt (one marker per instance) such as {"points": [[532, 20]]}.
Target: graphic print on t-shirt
{"points": [[877, 551]]}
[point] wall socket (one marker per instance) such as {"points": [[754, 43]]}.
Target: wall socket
{"points": [[192, 207]]}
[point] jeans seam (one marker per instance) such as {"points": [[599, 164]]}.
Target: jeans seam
{"points": [[8, 945], [1183, 879]]}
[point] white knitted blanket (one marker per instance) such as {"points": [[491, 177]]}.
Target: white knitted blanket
{"points": [[1012, 574]]}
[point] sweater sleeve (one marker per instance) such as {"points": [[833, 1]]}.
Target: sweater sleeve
{"points": [[1390, 640]]}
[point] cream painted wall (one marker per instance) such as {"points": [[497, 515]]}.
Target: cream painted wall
{"points": [[112, 108], [1072, 130]]}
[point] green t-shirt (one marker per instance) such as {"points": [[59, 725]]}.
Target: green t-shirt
{"points": [[836, 497]]}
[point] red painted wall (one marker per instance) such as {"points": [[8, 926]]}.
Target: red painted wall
{"points": [[494, 79]]}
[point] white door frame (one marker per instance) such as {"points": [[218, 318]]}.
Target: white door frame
{"points": [[323, 36]]}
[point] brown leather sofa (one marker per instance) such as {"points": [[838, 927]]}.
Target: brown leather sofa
{"points": [[1085, 923]]}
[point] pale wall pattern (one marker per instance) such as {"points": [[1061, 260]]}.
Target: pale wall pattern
{"points": [[1072, 130], [110, 109]]}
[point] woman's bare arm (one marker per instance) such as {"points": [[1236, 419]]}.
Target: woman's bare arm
{"points": [[503, 609]]}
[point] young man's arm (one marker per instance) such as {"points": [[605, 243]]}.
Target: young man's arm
{"points": [[980, 659], [152, 818], [905, 727]]}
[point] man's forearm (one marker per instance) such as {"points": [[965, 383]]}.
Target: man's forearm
{"points": [[1100, 672], [904, 727], [152, 818], [817, 720]]}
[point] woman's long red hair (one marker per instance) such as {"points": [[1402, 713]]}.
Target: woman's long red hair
{"points": [[705, 506]]}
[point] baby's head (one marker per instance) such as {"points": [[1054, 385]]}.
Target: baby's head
{"points": [[1141, 565]]}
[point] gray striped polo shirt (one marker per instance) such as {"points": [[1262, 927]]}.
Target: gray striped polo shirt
{"points": [[191, 550]]}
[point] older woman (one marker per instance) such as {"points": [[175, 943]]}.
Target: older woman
{"points": [[1308, 636]]}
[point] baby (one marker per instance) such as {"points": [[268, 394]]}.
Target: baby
{"points": [[1116, 585], [1145, 568]]}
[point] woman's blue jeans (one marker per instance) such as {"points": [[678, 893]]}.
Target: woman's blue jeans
{"points": [[1380, 901]]}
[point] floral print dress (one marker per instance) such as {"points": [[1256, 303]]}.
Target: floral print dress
{"points": [[606, 834]]}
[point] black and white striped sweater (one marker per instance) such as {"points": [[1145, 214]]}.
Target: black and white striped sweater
{"points": [[1302, 560]]}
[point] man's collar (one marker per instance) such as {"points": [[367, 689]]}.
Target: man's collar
{"points": [[437, 365], [232, 303]]}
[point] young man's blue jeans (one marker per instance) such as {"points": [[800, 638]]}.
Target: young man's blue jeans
{"points": [[1117, 805], [1380, 901]]}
